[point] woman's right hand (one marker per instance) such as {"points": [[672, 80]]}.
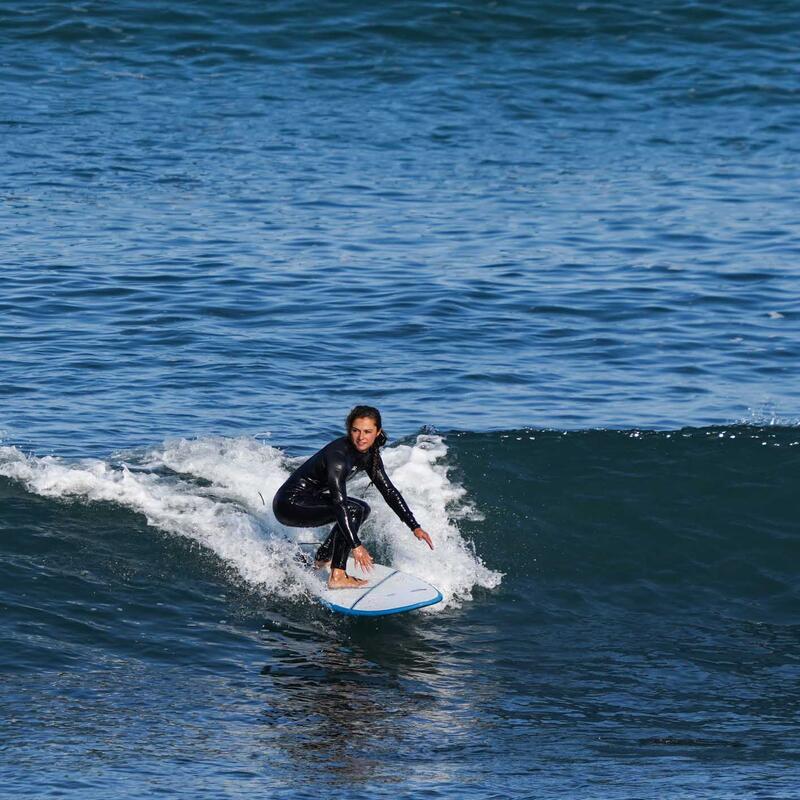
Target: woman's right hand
{"points": [[362, 558]]}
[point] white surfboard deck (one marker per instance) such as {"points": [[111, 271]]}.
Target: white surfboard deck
{"points": [[388, 591]]}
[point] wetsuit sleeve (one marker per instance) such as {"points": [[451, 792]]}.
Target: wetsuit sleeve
{"points": [[338, 489], [390, 494]]}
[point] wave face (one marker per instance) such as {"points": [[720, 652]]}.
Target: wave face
{"points": [[613, 600], [673, 522], [670, 522]]}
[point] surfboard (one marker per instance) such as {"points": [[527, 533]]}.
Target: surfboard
{"points": [[388, 591]]}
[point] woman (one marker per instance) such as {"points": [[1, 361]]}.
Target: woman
{"points": [[316, 494]]}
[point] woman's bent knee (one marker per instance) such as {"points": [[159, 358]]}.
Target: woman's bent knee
{"points": [[359, 506]]}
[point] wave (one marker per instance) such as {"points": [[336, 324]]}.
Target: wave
{"points": [[217, 493], [643, 519], [646, 519]]}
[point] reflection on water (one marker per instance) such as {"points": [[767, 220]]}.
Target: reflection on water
{"points": [[394, 689]]}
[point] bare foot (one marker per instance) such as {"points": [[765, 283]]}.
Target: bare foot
{"points": [[345, 582], [318, 565]]}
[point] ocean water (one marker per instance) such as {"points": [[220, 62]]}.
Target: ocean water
{"points": [[556, 244]]}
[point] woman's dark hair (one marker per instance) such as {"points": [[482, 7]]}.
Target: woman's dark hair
{"points": [[370, 413]]}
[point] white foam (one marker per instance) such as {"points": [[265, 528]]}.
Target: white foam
{"points": [[168, 503], [420, 472], [215, 499], [766, 416]]}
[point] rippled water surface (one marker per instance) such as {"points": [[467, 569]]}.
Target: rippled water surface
{"points": [[556, 243], [484, 215]]}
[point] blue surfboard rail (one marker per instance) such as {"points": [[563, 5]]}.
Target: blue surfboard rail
{"points": [[354, 612]]}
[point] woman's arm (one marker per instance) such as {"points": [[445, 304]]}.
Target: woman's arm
{"points": [[396, 502], [338, 489]]}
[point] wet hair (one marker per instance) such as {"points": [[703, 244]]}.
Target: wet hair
{"points": [[370, 413]]}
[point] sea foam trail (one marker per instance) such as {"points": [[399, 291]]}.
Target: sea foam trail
{"points": [[217, 492]]}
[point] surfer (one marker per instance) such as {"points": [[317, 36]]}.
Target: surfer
{"points": [[315, 494]]}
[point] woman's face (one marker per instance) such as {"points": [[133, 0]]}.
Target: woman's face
{"points": [[363, 432]]}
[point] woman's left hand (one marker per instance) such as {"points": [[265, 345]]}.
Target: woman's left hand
{"points": [[423, 537]]}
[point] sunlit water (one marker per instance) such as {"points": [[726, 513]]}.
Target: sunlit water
{"points": [[544, 239]]}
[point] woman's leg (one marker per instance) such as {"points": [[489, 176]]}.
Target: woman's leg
{"points": [[308, 510], [336, 548], [302, 510]]}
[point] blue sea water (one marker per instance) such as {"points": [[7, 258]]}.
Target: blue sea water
{"points": [[556, 244]]}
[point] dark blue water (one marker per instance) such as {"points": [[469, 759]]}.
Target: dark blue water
{"points": [[556, 244]]}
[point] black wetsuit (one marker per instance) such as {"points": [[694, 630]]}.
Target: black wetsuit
{"points": [[316, 494]]}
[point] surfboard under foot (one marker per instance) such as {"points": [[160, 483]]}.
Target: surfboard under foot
{"points": [[388, 591]]}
